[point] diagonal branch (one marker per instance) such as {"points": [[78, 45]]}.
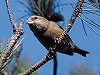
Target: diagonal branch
{"points": [[13, 22], [7, 50], [48, 57], [72, 19], [17, 32]]}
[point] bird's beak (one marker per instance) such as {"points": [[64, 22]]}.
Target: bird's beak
{"points": [[29, 21]]}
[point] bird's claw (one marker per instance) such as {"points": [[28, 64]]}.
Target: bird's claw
{"points": [[58, 41]]}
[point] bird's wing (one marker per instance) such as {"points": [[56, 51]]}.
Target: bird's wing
{"points": [[54, 31]]}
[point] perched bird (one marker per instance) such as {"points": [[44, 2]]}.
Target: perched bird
{"points": [[48, 31]]}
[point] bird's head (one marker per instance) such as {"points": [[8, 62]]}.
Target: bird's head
{"points": [[38, 22]]}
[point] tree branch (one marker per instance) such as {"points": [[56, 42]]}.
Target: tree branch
{"points": [[13, 22], [48, 57], [72, 19], [17, 32]]}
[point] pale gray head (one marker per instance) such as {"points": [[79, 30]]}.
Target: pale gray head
{"points": [[39, 22]]}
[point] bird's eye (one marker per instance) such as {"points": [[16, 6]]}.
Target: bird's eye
{"points": [[33, 18]]}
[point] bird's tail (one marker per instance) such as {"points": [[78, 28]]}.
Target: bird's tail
{"points": [[81, 51]]}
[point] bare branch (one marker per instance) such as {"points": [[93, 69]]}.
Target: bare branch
{"points": [[16, 35], [72, 19], [13, 22], [7, 50], [48, 57]]}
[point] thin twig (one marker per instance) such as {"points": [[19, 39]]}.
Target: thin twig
{"points": [[72, 20], [13, 22], [17, 32]]}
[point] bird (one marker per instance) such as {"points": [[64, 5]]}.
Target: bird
{"points": [[48, 31]]}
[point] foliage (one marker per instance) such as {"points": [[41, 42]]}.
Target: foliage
{"points": [[22, 65], [45, 8]]}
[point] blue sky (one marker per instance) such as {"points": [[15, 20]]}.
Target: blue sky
{"points": [[34, 51]]}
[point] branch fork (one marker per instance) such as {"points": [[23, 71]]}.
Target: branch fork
{"points": [[17, 32]]}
